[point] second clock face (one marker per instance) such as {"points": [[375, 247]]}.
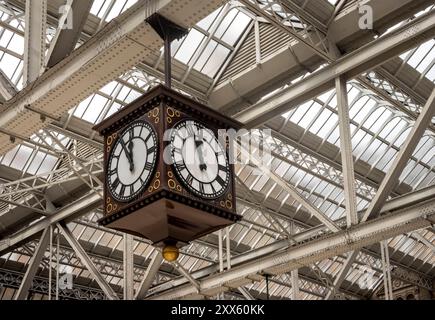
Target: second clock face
{"points": [[132, 161], [199, 160]]}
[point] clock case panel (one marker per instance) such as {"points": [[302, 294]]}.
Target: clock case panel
{"points": [[166, 211]]}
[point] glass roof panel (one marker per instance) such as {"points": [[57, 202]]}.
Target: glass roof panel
{"points": [[377, 130]]}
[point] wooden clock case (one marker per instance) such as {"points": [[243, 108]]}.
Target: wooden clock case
{"points": [[165, 212]]}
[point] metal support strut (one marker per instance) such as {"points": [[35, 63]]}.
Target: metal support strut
{"points": [[168, 31]]}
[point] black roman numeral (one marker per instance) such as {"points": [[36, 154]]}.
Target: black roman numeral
{"points": [[180, 166], [190, 129], [220, 181], [152, 150], [201, 188], [222, 168], [122, 190], [189, 179], [148, 166], [115, 183], [148, 137]]}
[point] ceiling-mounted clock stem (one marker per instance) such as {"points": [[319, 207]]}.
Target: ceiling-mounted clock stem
{"points": [[168, 31], [168, 65]]}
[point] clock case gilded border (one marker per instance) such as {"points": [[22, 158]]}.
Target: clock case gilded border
{"points": [[163, 109]]}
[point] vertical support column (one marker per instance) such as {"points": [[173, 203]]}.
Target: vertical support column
{"points": [[386, 270], [168, 31], [128, 267], [220, 251], [295, 285], [168, 63], [267, 287], [34, 39], [257, 42], [294, 274], [50, 257], [57, 262], [228, 247], [391, 178], [221, 256], [346, 152]]}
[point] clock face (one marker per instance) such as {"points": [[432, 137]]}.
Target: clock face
{"points": [[199, 160], [132, 161]]}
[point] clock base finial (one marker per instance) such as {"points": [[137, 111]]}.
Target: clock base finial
{"points": [[170, 251]]}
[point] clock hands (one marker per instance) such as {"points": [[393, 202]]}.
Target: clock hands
{"points": [[128, 153], [202, 164], [130, 148]]}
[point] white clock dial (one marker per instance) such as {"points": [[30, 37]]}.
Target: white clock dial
{"points": [[132, 161], [199, 160]]}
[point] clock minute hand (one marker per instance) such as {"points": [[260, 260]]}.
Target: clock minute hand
{"points": [[202, 165], [127, 153], [130, 148]]}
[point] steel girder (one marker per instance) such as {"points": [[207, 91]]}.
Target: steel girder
{"points": [[349, 66], [118, 47], [40, 285], [354, 238], [77, 208], [33, 266], [307, 237], [67, 36], [34, 39], [84, 258], [7, 88], [295, 59]]}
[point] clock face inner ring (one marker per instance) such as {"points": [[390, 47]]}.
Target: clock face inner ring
{"points": [[199, 160], [132, 161]]}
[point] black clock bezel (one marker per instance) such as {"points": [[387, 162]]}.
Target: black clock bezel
{"points": [[180, 176], [135, 195]]}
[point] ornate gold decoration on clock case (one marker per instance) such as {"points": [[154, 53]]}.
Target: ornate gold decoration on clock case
{"points": [[109, 206], [172, 183], [155, 185], [227, 203], [110, 139], [171, 113], [154, 114]]}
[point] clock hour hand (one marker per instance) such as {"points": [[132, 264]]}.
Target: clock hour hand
{"points": [[128, 153]]}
